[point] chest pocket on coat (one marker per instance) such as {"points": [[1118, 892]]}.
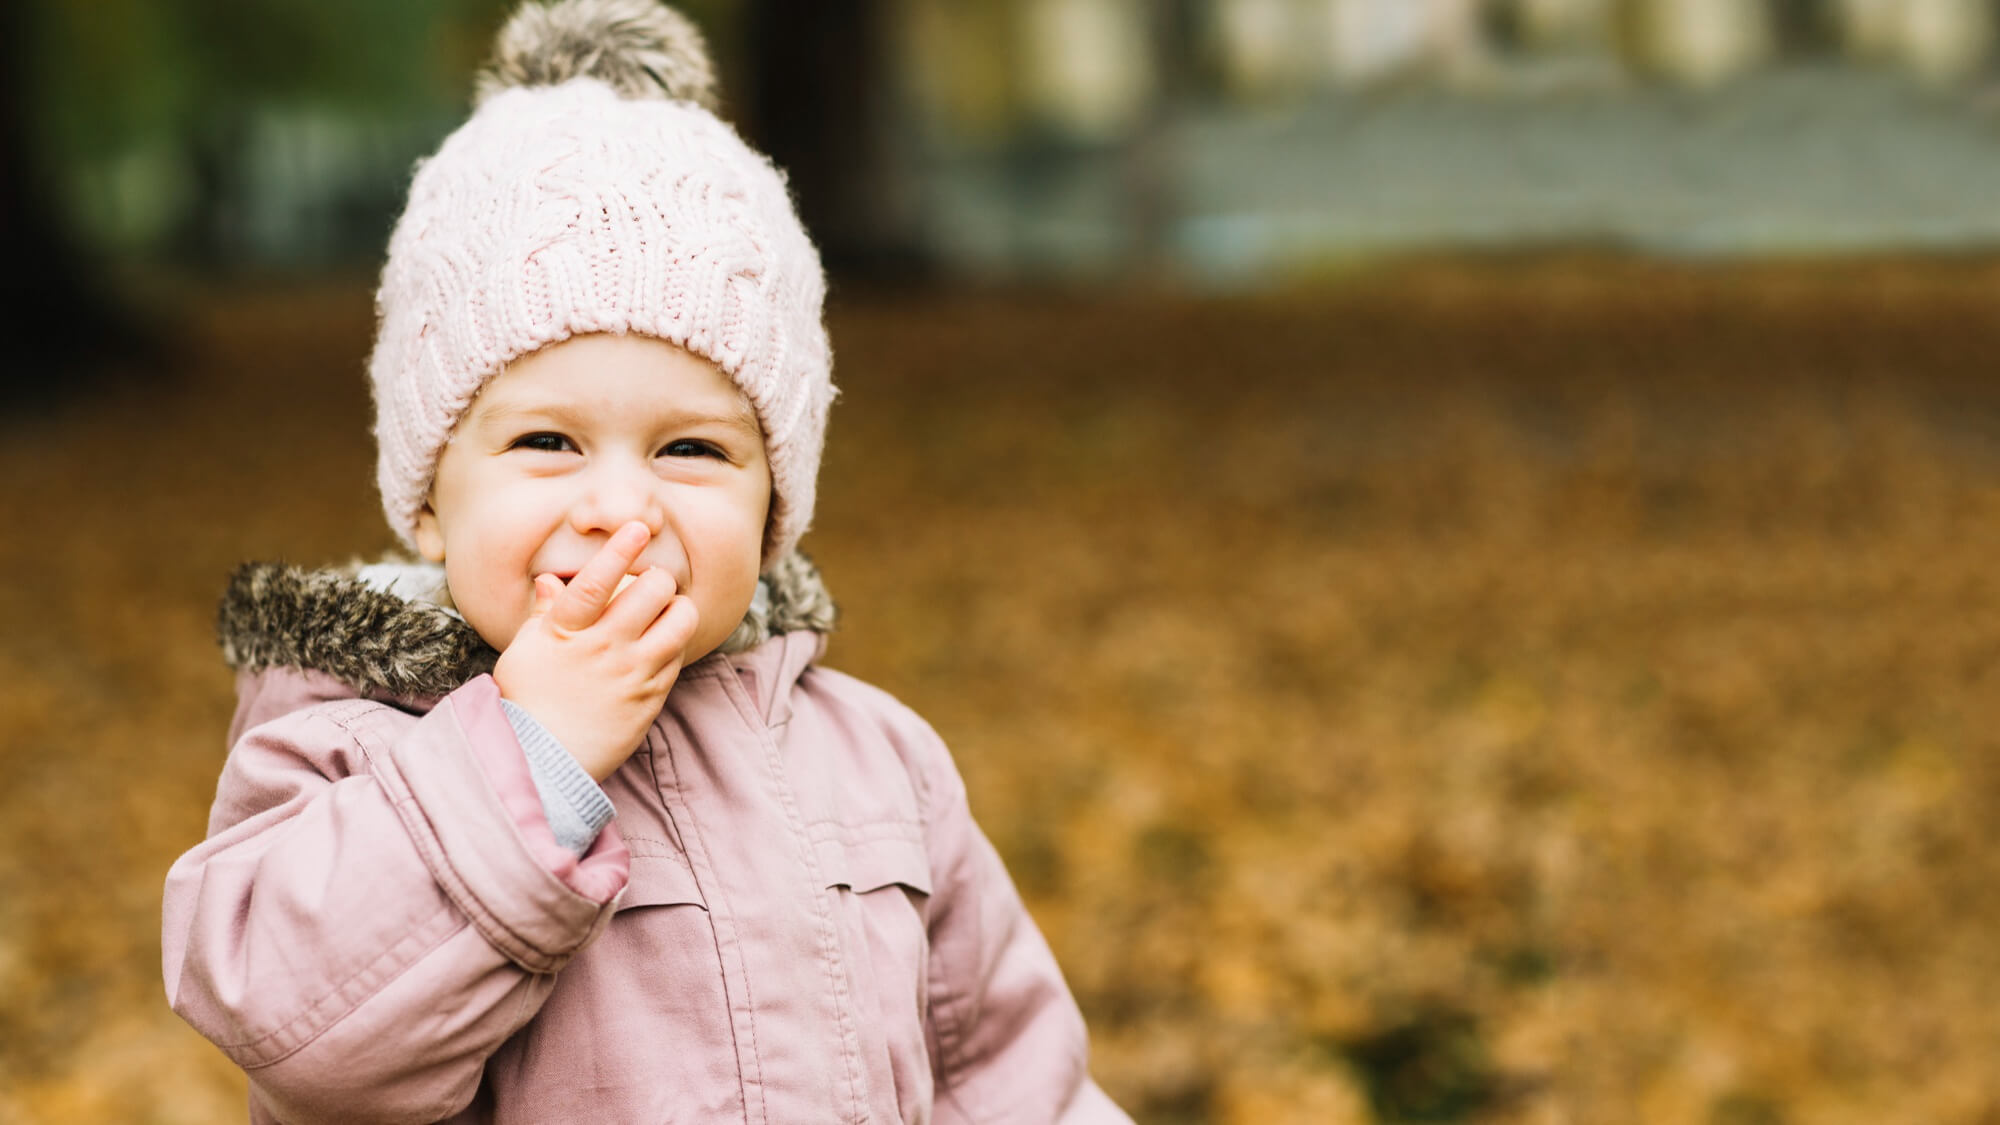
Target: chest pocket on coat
{"points": [[873, 857], [660, 877]]}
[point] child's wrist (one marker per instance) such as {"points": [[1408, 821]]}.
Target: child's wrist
{"points": [[587, 742]]}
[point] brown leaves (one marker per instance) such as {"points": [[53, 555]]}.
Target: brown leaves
{"points": [[1464, 694]]}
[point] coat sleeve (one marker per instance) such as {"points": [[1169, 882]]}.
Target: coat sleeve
{"points": [[374, 911], [1006, 1039]]}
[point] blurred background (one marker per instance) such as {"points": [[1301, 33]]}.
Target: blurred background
{"points": [[1451, 538]]}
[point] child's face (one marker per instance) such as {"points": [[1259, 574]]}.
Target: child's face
{"points": [[567, 445]]}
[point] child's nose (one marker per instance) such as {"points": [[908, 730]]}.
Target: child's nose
{"points": [[613, 497]]}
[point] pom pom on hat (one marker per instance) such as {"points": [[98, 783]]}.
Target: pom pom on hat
{"points": [[637, 47], [592, 190]]}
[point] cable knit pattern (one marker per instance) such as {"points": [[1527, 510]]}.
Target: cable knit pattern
{"points": [[557, 211]]}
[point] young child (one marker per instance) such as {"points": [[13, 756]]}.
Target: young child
{"points": [[568, 824]]}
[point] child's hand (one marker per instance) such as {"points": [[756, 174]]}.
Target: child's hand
{"points": [[595, 670]]}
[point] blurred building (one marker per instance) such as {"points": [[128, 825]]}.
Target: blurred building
{"points": [[1227, 140]]}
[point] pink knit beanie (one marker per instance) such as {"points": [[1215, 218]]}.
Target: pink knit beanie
{"points": [[593, 190]]}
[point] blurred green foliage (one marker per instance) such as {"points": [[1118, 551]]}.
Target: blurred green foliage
{"points": [[116, 72], [146, 121]]}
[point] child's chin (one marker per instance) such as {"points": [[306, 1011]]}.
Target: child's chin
{"points": [[498, 634], [498, 641]]}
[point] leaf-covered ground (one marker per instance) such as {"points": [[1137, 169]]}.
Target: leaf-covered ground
{"points": [[1544, 691]]}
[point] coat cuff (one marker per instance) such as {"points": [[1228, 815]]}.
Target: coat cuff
{"points": [[480, 823], [576, 808]]}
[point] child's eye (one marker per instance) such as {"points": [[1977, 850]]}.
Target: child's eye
{"points": [[545, 443], [688, 447]]}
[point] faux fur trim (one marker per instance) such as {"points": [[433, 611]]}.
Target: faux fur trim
{"points": [[388, 627], [790, 597]]}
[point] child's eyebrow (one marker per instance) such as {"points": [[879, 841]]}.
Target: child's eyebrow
{"points": [[742, 418]]}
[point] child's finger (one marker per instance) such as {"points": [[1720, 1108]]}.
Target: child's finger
{"points": [[666, 639], [638, 601], [585, 597], [547, 589]]}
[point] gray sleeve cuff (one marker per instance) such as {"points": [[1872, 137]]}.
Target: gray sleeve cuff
{"points": [[577, 809]]}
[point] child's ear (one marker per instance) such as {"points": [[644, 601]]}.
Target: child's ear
{"points": [[429, 536]]}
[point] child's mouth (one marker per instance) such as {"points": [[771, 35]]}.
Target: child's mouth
{"points": [[566, 579]]}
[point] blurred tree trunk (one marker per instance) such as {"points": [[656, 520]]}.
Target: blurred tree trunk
{"points": [[821, 104], [58, 324], [1156, 206], [1803, 28]]}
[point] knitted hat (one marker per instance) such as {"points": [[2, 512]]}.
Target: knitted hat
{"points": [[593, 190]]}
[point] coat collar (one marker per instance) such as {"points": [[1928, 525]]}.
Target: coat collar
{"points": [[388, 629]]}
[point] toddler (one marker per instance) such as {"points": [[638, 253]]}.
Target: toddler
{"points": [[566, 823]]}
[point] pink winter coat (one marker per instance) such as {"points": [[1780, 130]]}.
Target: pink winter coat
{"points": [[792, 919]]}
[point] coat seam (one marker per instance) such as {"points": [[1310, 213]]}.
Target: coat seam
{"points": [[336, 717], [826, 929], [340, 990], [693, 828], [946, 1003], [868, 830]]}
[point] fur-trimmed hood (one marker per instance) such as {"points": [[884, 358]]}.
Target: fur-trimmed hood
{"points": [[388, 628]]}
